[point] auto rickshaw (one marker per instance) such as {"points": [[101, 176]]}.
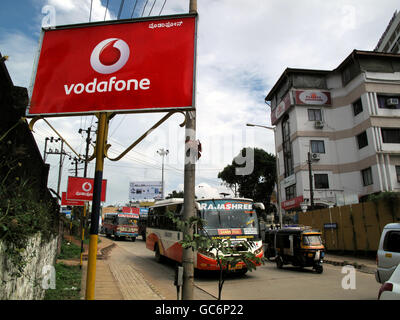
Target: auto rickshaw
{"points": [[300, 246]]}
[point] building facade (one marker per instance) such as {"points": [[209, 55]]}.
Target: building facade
{"points": [[390, 39], [339, 130]]}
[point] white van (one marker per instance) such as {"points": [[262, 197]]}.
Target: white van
{"points": [[388, 255]]}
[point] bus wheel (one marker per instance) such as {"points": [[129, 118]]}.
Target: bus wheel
{"points": [[133, 239], [158, 256], [242, 272]]}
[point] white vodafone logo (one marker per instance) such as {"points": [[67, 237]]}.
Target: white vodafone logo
{"points": [[109, 56], [87, 186]]}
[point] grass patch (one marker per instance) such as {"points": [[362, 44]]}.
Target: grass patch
{"points": [[86, 240], [68, 283], [69, 250]]}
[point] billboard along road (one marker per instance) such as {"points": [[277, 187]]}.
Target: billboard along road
{"points": [[122, 66]]}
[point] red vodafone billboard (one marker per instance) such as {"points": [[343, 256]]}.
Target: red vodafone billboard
{"points": [[121, 66], [82, 189]]}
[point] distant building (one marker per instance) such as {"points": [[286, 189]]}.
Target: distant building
{"points": [[390, 39], [348, 121]]}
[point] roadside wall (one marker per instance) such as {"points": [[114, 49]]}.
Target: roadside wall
{"points": [[359, 226], [28, 286]]}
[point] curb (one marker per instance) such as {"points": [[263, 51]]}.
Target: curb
{"points": [[359, 267], [102, 253]]}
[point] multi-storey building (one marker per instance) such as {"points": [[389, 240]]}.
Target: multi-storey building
{"points": [[390, 39], [346, 121]]}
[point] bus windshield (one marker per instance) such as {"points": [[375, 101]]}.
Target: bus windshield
{"points": [[127, 221], [229, 214]]}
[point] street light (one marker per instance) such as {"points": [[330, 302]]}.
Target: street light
{"points": [[278, 198], [162, 153]]}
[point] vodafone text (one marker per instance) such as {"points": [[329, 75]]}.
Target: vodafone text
{"points": [[107, 86]]}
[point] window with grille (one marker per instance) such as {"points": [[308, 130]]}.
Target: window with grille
{"points": [[362, 140], [317, 146], [314, 115], [357, 107], [390, 135], [321, 181], [367, 177]]}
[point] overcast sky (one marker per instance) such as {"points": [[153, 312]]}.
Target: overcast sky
{"points": [[243, 48]]}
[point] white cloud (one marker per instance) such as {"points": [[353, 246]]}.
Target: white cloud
{"points": [[21, 51], [78, 11]]}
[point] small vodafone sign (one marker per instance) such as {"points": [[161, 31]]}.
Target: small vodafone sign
{"points": [[66, 202], [138, 65], [82, 189]]}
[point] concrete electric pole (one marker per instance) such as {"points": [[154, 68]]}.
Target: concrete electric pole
{"points": [[189, 192]]}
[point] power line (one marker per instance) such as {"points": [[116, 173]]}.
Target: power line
{"points": [[165, 1], [91, 6], [134, 7], [105, 14], [120, 9], [144, 8], [152, 7]]}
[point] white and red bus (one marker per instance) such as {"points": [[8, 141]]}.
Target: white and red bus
{"points": [[233, 218]]}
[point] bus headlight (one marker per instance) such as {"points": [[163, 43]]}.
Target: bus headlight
{"points": [[258, 251]]}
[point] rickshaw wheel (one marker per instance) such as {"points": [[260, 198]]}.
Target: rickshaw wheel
{"points": [[319, 269]]}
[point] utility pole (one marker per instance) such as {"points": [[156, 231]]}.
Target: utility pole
{"points": [[88, 140], [101, 141], [60, 166], [45, 148], [61, 153], [162, 153], [189, 193], [75, 162], [83, 222], [311, 181]]}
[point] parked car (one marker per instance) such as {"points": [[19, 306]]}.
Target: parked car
{"points": [[388, 255], [390, 290]]}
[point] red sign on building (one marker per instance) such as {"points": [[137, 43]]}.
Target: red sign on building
{"points": [[136, 66], [312, 97], [292, 203], [82, 189], [66, 202]]}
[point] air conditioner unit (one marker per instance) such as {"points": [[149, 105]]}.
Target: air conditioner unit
{"points": [[319, 124], [392, 101], [315, 156]]}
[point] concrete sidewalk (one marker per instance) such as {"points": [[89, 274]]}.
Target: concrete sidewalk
{"points": [[115, 281]]}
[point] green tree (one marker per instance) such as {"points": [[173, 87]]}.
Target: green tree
{"points": [[259, 184], [175, 194]]}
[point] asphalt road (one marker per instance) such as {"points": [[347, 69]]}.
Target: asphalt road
{"points": [[266, 283]]}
